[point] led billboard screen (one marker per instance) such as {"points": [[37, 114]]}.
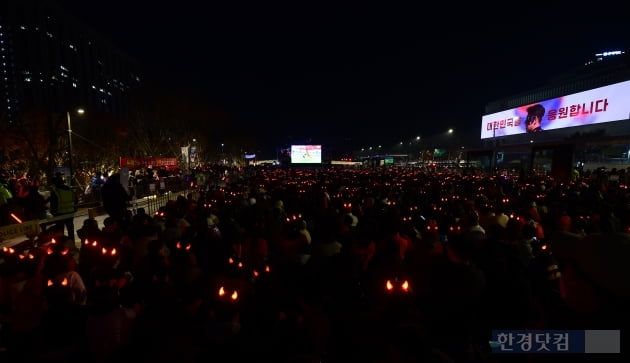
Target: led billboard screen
{"points": [[598, 105], [306, 154]]}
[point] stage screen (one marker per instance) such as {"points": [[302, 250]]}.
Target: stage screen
{"points": [[598, 105], [306, 154]]}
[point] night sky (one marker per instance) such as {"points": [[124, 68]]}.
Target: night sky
{"points": [[345, 76]]}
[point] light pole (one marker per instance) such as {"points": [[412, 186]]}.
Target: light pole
{"points": [[449, 145], [80, 111]]}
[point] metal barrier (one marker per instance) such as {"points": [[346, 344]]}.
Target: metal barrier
{"points": [[151, 196], [152, 203]]}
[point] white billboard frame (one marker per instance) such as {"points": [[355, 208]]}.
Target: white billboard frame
{"points": [[599, 105]]}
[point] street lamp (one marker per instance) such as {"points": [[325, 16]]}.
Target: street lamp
{"points": [[79, 111], [449, 144]]}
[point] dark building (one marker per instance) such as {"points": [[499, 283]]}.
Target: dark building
{"points": [[52, 61], [557, 150]]}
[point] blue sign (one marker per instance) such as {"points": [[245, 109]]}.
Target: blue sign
{"points": [[555, 341]]}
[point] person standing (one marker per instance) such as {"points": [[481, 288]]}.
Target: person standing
{"points": [[33, 203], [115, 199], [96, 184], [63, 202], [5, 199]]}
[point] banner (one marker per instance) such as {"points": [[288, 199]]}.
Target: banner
{"points": [[30, 228], [185, 154], [139, 163], [193, 155], [605, 104]]}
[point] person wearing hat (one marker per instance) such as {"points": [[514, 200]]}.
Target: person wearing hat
{"points": [[594, 279]]}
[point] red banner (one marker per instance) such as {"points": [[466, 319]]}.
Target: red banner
{"points": [[154, 163]]}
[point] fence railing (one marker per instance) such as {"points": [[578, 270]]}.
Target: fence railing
{"points": [[152, 203], [150, 196]]}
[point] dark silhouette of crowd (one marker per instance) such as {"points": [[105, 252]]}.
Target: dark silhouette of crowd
{"points": [[325, 265]]}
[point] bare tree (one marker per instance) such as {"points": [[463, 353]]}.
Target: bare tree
{"points": [[33, 143]]}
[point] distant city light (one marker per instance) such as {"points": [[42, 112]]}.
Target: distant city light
{"points": [[608, 54], [600, 56]]}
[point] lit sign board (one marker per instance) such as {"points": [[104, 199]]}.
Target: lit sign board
{"points": [[598, 105], [138, 163], [306, 154]]}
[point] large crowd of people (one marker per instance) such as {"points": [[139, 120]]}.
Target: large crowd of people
{"points": [[325, 265]]}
